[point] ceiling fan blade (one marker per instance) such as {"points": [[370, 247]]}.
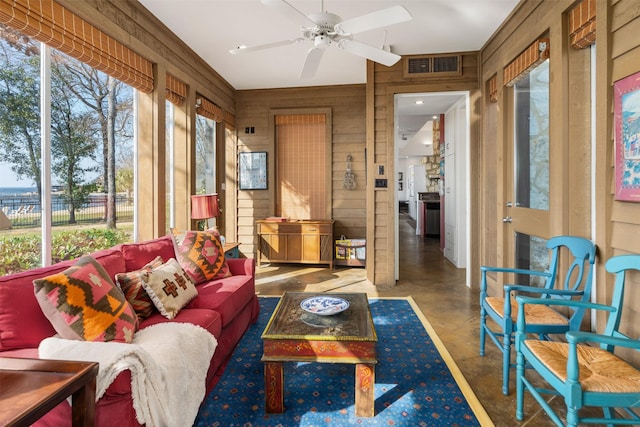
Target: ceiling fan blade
{"points": [[381, 18], [289, 11], [311, 64], [246, 49], [373, 53]]}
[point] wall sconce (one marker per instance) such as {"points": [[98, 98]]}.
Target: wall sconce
{"points": [[204, 207]]}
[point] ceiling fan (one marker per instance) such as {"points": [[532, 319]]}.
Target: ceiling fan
{"points": [[325, 29]]}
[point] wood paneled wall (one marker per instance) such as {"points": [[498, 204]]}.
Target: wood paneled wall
{"points": [[574, 200], [621, 222], [346, 105], [383, 83]]}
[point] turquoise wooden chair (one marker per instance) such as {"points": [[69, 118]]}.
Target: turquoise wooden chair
{"points": [[575, 284], [584, 375]]}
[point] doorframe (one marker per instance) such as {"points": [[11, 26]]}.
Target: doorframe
{"points": [[391, 93]]}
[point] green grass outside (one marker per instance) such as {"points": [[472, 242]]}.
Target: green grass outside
{"points": [[20, 249]]}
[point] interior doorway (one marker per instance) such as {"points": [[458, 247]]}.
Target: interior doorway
{"points": [[430, 167]]}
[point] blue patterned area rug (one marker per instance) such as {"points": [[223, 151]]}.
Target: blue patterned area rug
{"points": [[417, 382]]}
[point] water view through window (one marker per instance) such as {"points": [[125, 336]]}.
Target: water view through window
{"points": [[91, 153]]}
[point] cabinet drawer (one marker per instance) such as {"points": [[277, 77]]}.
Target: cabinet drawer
{"points": [[316, 228], [293, 228], [268, 228]]}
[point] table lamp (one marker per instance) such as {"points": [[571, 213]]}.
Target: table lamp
{"points": [[203, 207]]}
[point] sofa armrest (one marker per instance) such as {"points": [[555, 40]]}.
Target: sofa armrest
{"points": [[242, 266]]}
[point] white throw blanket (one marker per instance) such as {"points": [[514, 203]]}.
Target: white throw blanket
{"points": [[168, 364]]}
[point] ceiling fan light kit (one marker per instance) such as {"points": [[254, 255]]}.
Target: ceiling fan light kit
{"points": [[325, 29]]}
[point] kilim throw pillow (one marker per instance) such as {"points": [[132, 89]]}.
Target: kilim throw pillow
{"points": [[169, 287], [83, 303], [201, 254], [131, 285]]}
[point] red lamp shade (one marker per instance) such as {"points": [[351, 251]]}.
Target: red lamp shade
{"points": [[204, 206]]}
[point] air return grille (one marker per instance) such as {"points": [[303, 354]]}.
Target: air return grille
{"points": [[433, 65]]}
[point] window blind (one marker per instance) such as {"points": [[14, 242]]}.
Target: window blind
{"points": [[208, 109], [301, 166], [176, 90], [534, 55], [582, 24], [59, 28]]}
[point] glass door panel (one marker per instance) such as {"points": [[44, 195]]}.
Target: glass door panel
{"points": [[531, 254], [528, 190], [532, 139]]}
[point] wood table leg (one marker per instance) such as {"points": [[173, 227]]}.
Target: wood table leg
{"points": [[365, 383], [274, 387], [83, 403]]}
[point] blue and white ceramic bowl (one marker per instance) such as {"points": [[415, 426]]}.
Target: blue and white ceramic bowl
{"points": [[324, 305]]}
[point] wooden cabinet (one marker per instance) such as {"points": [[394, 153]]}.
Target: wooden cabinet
{"points": [[304, 241]]}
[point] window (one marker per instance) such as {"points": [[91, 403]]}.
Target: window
{"points": [[205, 157], [175, 94], [532, 138], [532, 254], [89, 157], [169, 165]]}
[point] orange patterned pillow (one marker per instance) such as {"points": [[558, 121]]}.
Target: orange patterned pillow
{"points": [[200, 254], [131, 285], [83, 303]]}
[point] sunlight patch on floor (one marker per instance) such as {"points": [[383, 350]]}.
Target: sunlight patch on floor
{"points": [[269, 274]]}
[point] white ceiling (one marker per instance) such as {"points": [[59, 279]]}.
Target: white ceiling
{"points": [[212, 27], [413, 110]]}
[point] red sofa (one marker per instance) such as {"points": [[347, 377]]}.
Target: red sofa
{"points": [[225, 307]]}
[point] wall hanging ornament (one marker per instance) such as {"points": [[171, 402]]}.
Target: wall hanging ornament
{"points": [[349, 176]]}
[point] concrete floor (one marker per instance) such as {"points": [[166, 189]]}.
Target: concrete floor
{"points": [[439, 290]]}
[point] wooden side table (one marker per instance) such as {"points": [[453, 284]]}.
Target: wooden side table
{"points": [[29, 388]]}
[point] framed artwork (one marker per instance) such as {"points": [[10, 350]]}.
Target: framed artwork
{"points": [[253, 170], [627, 138]]}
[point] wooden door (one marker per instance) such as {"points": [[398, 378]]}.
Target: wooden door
{"points": [[527, 159]]}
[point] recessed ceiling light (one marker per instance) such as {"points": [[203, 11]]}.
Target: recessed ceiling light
{"points": [[435, 117], [419, 102]]}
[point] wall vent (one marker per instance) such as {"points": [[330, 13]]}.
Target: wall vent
{"points": [[433, 65]]}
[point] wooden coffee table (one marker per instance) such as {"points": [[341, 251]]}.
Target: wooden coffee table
{"points": [[29, 388], [293, 335]]}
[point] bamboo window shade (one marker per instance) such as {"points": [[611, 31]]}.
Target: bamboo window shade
{"points": [[533, 56], [59, 28], [582, 24], [493, 89], [301, 166], [176, 90], [208, 109]]}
